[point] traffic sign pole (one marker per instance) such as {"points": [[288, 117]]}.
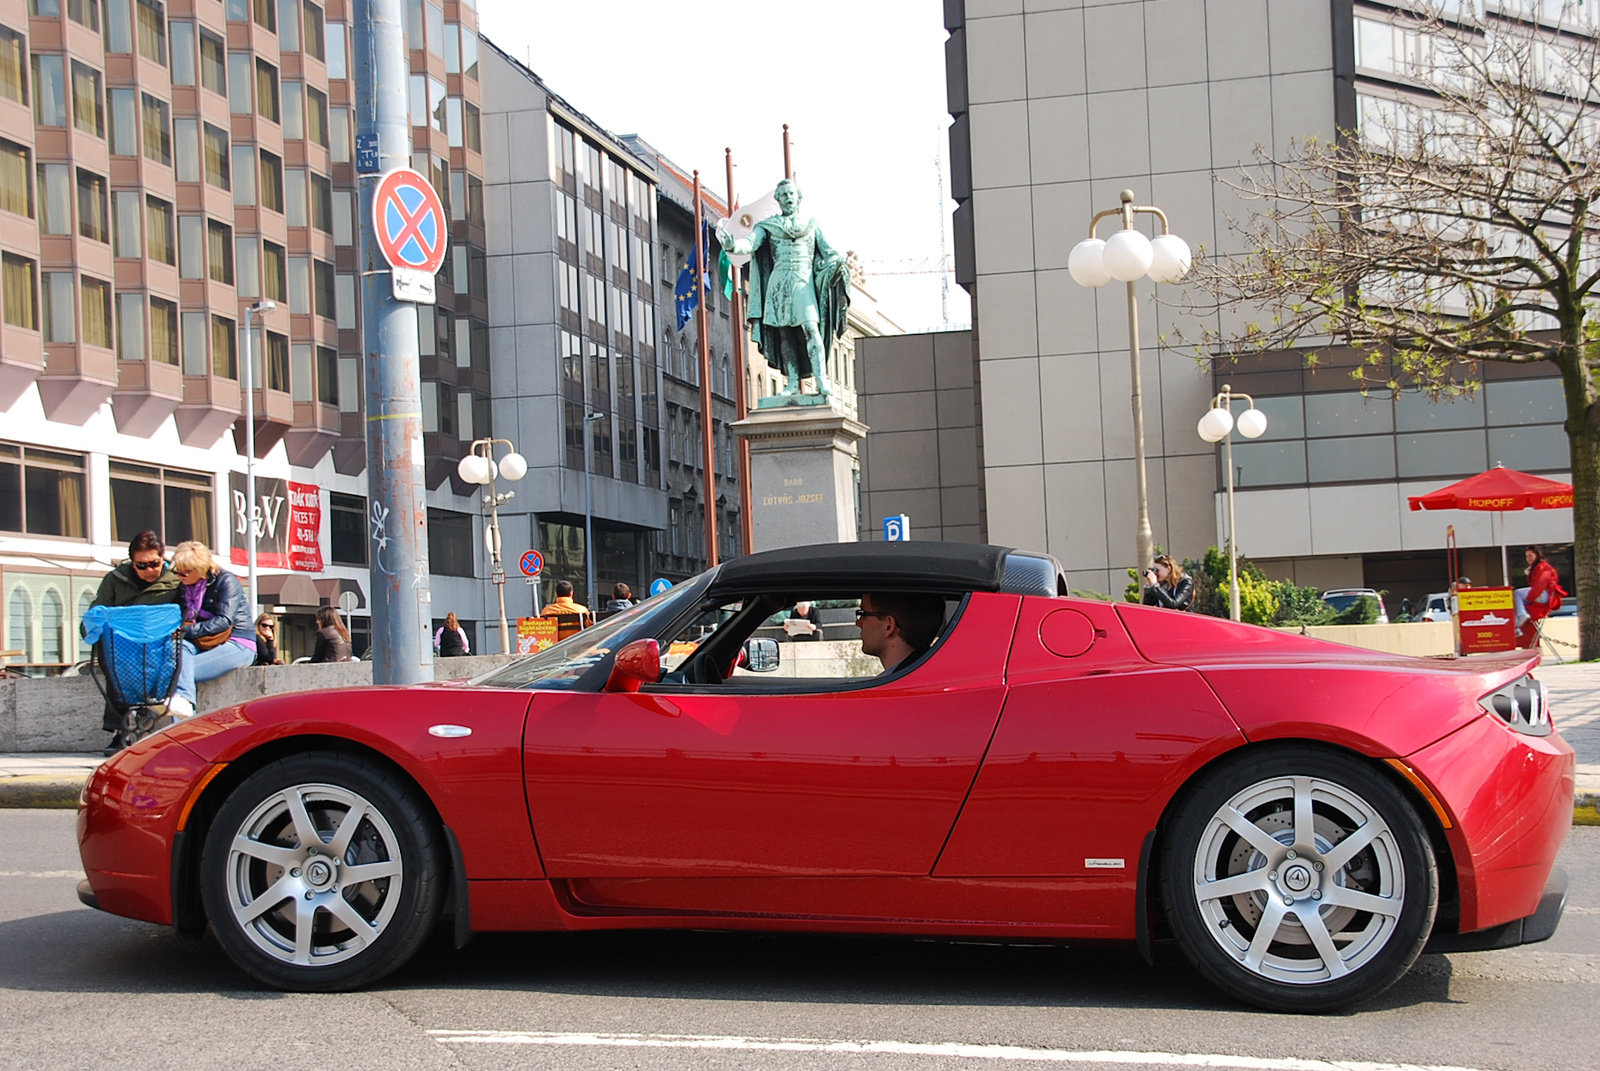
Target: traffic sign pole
{"points": [[397, 517]]}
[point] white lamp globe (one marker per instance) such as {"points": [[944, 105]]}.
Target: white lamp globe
{"points": [[513, 466], [1215, 425], [1169, 258], [1085, 264], [1252, 423], [1127, 256], [473, 469]]}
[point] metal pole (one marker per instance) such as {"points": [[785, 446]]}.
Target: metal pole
{"points": [[788, 169], [702, 323], [1144, 543], [588, 508], [250, 462], [397, 514], [1233, 538], [498, 574], [741, 364]]}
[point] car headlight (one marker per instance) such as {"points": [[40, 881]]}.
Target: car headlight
{"points": [[1521, 705]]}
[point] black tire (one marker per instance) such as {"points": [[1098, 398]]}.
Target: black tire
{"points": [[289, 912], [1241, 879]]}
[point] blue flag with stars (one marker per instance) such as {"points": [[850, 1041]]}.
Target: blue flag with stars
{"points": [[692, 282]]}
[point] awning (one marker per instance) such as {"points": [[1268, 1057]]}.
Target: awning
{"points": [[1496, 490], [288, 589], [329, 588]]}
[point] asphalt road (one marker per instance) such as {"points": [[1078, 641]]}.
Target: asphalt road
{"points": [[79, 989]]}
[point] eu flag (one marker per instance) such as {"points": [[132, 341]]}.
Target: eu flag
{"points": [[691, 284]]}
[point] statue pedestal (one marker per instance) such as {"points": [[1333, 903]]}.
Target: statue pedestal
{"points": [[803, 482]]}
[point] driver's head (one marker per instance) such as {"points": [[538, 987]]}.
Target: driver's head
{"points": [[895, 625]]}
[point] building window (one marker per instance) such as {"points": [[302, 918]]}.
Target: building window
{"points": [[347, 529], [152, 18], [186, 150], [294, 197], [224, 347], [264, 14], [183, 53], [170, 501], [83, 12], [469, 54], [16, 178], [450, 543], [18, 293], [60, 308], [88, 102], [276, 362], [288, 25], [158, 130], [124, 122], [214, 65], [271, 181], [321, 203], [191, 247], [322, 284], [316, 117], [267, 91], [217, 157], [219, 239], [13, 64], [41, 492], [126, 206], [300, 285], [274, 263], [311, 37], [49, 90], [243, 173], [338, 65], [163, 331], [241, 77], [247, 262], [158, 230], [130, 327], [339, 135], [294, 110], [96, 312], [327, 375]]}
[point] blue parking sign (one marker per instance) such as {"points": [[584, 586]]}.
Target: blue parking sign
{"points": [[897, 529]]}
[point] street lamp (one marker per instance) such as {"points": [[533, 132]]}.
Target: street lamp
{"points": [[588, 506], [479, 467], [1128, 256], [257, 310], [1217, 426]]}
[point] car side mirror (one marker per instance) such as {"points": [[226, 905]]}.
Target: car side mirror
{"points": [[636, 664], [760, 655]]}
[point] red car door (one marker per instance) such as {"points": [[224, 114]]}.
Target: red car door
{"points": [[852, 779]]}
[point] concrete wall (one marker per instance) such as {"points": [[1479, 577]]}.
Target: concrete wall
{"points": [[921, 456], [63, 713]]}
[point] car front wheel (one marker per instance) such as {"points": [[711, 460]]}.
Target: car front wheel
{"points": [[1299, 879], [322, 872]]}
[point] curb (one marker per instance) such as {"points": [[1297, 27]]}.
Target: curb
{"points": [[41, 790]]}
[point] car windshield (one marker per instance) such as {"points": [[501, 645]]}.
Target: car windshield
{"points": [[1343, 601], [561, 665]]}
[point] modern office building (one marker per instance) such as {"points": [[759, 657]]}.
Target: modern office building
{"points": [[1057, 107], [162, 167]]}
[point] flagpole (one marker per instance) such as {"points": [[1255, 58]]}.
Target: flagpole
{"points": [[706, 443], [741, 388], [788, 169]]}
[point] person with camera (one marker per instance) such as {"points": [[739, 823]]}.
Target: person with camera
{"points": [[1167, 585]]}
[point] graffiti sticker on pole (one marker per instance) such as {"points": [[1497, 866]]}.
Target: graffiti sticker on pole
{"points": [[409, 223]]}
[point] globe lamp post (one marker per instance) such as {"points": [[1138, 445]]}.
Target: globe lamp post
{"points": [[479, 467], [1218, 425], [1128, 256]]}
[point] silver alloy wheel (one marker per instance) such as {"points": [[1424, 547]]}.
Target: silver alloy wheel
{"points": [[314, 875], [1299, 880]]}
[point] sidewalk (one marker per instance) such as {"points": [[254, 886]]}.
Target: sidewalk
{"points": [[54, 780]]}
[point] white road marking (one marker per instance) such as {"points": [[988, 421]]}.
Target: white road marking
{"points": [[958, 1050], [41, 873]]}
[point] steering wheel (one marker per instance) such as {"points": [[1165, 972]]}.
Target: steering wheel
{"points": [[703, 669]]}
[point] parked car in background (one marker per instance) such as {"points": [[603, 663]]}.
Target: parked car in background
{"points": [[1435, 608], [1341, 599]]}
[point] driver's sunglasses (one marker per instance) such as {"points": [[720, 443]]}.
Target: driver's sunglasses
{"points": [[142, 566], [870, 613]]}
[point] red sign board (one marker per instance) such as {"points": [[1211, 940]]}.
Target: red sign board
{"points": [[1485, 620], [285, 520], [305, 527], [408, 219]]}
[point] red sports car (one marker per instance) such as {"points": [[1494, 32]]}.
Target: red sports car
{"points": [[1304, 819]]}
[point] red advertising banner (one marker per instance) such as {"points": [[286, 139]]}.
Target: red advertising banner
{"points": [[1485, 620], [305, 527]]}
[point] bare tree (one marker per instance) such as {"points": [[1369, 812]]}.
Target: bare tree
{"points": [[1457, 225]]}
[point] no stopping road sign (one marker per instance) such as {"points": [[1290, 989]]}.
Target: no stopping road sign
{"points": [[408, 220]]}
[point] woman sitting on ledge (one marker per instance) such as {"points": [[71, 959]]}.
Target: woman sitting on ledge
{"points": [[218, 634]]}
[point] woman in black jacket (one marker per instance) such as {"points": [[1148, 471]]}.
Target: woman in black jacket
{"points": [[333, 639], [1167, 584], [218, 630]]}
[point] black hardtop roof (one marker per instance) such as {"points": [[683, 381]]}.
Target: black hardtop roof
{"points": [[913, 565]]}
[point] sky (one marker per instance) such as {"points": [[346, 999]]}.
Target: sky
{"points": [[860, 83]]}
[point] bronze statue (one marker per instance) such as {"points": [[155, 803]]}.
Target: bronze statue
{"points": [[799, 294]]}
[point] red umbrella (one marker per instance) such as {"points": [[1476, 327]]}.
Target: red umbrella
{"points": [[1498, 490]]}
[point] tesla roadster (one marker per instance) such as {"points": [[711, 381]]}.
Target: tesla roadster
{"points": [[1302, 819]]}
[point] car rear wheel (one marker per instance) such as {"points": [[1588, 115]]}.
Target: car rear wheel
{"points": [[322, 872], [1299, 879]]}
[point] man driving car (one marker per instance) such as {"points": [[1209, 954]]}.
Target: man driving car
{"points": [[898, 628]]}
